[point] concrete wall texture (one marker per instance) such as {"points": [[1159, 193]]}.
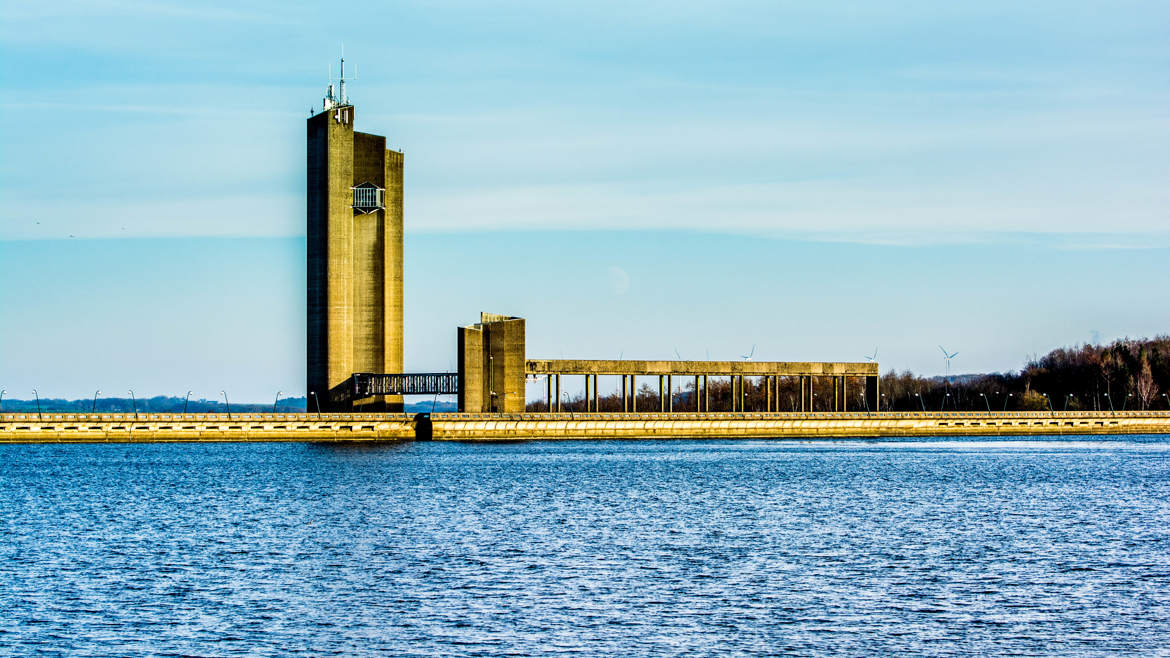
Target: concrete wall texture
{"points": [[146, 428], [355, 310]]}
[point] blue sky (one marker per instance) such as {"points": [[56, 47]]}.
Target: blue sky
{"points": [[814, 178]]}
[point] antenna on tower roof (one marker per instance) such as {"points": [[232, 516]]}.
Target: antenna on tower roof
{"points": [[333, 99], [341, 80]]}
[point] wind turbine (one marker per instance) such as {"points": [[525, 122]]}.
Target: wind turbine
{"points": [[872, 357], [947, 357], [749, 355], [677, 355]]}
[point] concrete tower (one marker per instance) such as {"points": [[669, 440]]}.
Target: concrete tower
{"points": [[354, 255]]}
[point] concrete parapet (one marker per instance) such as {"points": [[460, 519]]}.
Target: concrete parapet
{"points": [[98, 428], [161, 428], [511, 427]]}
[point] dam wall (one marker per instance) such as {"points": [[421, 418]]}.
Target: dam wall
{"points": [[162, 428], [349, 427], [499, 427]]}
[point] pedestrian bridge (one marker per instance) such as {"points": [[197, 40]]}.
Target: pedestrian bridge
{"points": [[368, 384]]}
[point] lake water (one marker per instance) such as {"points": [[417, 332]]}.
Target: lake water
{"points": [[632, 548]]}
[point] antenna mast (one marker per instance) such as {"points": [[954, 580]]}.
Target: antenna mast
{"points": [[341, 80], [333, 99]]}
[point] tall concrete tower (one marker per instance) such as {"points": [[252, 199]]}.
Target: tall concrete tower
{"points": [[354, 256]]}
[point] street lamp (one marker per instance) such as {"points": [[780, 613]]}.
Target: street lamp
{"points": [[1111, 409], [38, 404], [185, 401], [921, 401], [1066, 399], [1125, 401], [277, 400], [93, 407], [229, 404], [313, 394], [986, 402], [1049, 401], [134, 401], [1005, 400], [942, 405]]}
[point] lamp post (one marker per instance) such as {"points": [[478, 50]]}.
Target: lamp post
{"points": [[1005, 400], [1111, 409], [1049, 401], [1125, 401], [185, 401], [38, 395], [275, 401], [313, 394], [942, 405], [93, 407], [1167, 398], [134, 401], [1066, 399], [986, 402], [921, 401], [228, 403]]}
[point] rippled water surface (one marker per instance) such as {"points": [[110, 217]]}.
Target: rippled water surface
{"points": [[597, 548]]}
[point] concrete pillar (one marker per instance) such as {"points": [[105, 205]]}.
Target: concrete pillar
{"points": [[595, 395], [768, 397], [706, 394], [634, 393], [670, 393], [661, 400], [844, 393], [548, 392], [801, 380], [558, 392], [625, 400], [698, 406], [742, 395]]}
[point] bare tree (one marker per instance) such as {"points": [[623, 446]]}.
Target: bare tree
{"points": [[1144, 387]]}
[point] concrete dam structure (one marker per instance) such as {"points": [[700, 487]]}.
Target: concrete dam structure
{"points": [[354, 357], [370, 428], [355, 316]]}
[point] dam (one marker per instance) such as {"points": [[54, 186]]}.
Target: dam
{"points": [[481, 427]]}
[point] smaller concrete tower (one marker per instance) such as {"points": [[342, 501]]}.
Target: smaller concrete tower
{"points": [[491, 365]]}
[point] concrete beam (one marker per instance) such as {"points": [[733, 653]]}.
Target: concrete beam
{"points": [[719, 368]]}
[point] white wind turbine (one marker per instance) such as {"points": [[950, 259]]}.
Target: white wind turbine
{"points": [[749, 355], [872, 357], [947, 357]]}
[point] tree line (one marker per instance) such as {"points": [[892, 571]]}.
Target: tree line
{"points": [[1127, 374]]}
